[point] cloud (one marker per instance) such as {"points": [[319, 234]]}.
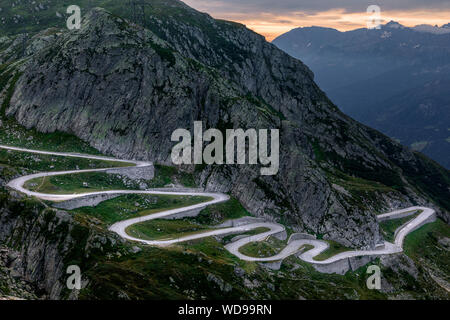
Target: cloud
{"points": [[311, 6], [272, 18], [284, 21]]}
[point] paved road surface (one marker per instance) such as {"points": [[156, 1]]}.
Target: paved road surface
{"points": [[293, 247]]}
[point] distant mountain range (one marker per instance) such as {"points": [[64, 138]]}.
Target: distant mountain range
{"points": [[396, 79]]}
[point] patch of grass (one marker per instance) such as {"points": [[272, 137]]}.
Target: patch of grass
{"points": [[306, 247], [171, 273], [41, 162], [164, 229], [333, 250], [258, 250], [80, 183], [389, 227], [357, 167], [211, 248], [263, 249], [218, 213], [265, 108], [229, 237], [14, 134], [133, 205], [269, 248], [352, 183], [8, 173], [362, 193], [424, 243], [165, 175]]}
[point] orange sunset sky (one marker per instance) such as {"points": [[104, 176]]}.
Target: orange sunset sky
{"points": [[273, 18]]}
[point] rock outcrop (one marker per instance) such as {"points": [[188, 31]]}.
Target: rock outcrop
{"points": [[40, 244]]}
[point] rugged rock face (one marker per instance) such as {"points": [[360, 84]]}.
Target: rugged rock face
{"points": [[34, 260], [11, 284], [125, 89], [41, 244]]}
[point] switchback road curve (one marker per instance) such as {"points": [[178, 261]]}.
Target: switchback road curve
{"points": [[293, 247]]}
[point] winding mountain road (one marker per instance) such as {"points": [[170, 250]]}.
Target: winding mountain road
{"points": [[293, 247]]}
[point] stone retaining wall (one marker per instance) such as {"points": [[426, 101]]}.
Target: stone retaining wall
{"points": [[240, 222], [275, 265], [300, 236], [135, 173], [185, 214], [344, 265], [88, 201], [282, 235], [399, 216]]}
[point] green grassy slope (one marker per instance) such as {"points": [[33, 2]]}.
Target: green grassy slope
{"points": [[133, 205], [204, 268]]}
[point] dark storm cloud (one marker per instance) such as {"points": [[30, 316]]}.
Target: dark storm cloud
{"points": [[285, 6]]}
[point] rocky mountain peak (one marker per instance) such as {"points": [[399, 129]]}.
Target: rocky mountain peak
{"points": [[394, 25]]}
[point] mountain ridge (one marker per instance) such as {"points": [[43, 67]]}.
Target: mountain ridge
{"points": [[391, 24], [367, 72]]}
